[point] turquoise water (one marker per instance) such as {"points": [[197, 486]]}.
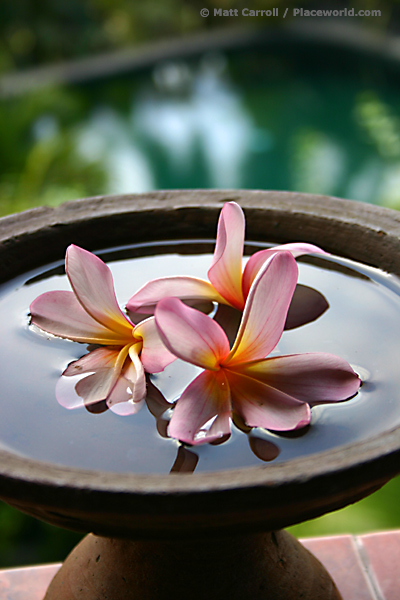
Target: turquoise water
{"points": [[289, 119], [282, 116]]}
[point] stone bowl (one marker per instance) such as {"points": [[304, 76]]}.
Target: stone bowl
{"points": [[182, 507]]}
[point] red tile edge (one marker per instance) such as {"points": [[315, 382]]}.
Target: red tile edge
{"points": [[26, 583], [381, 552], [340, 557]]}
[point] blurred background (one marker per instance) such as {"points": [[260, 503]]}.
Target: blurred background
{"points": [[113, 96]]}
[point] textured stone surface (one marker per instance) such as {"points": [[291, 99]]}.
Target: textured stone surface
{"points": [[363, 567], [271, 566]]}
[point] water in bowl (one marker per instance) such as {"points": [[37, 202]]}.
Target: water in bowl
{"points": [[362, 325]]}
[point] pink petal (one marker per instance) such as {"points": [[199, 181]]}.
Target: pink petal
{"points": [[120, 400], [265, 311], [103, 366], [121, 383], [225, 272], [104, 358], [202, 413], [60, 313], [257, 260], [312, 378], [185, 288], [66, 393], [191, 335], [106, 366], [93, 285], [128, 407], [261, 405], [128, 394], [136, 375], [154, 356], [96, 387]]}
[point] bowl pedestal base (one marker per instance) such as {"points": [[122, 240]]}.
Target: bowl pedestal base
{"points": [[273, 566]]}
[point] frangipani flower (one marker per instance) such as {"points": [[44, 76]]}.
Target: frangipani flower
{"points": [[229, 283], [273, 393], [91, 314]]}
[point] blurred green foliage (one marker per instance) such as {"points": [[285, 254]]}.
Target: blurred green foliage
{"points": [[27, 541], [38, 157], [36, 32], [377, 512]]}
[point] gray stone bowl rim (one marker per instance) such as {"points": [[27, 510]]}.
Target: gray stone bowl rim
{"points": [[362, 232]]}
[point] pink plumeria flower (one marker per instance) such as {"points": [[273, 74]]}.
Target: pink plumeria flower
{"points": [[274, 393], [115, 372], [228, 282]]}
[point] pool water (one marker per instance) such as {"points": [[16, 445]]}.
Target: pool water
{"points": [[285, 117], [288, 114]]}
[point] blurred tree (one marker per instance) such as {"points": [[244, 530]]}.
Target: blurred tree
{"points": [[34, 32], [40, 163], [25, 540]]}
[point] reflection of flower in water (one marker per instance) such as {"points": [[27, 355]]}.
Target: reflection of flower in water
{"points": [[263, 449], [187, 457]]}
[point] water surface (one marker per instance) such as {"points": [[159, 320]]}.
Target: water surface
{"points": [[362, 325]]}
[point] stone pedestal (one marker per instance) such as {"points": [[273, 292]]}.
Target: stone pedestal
{"points": [[273, 566]]}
